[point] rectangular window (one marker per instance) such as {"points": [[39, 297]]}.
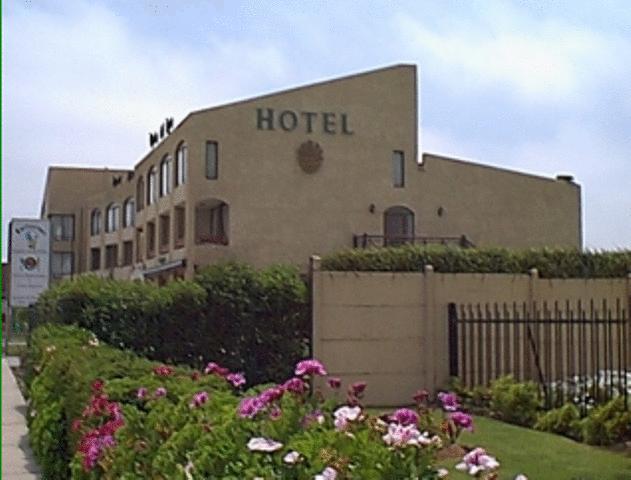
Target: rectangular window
{"points": [[139, 239], [62, 227], [398, 169], [128, 253], [111, 256], [212, 161], [165, 232], [61, 264], [180, 226], [151, 239], [95, 258]]}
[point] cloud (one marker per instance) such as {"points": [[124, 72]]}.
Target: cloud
{"points": [[82, 85], [539, 61]]}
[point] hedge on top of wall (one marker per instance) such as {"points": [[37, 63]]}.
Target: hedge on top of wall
{"points": [[254, 321], [551, 263]]}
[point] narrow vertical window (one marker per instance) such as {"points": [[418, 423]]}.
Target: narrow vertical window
{"points": [[398, 169], [181, 160], [212, 161], [152, 191], [140, 194], [165, 176]]}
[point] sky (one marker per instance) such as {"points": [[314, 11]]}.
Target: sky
{"points": [[535, 86]]}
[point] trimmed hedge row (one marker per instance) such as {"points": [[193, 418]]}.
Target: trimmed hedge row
{"points": [[100, 413], [252, 321], [551, 263]]}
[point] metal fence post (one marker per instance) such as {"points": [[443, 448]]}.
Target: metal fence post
{"points": [[453, 339]]}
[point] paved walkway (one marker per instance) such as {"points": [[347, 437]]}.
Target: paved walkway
{"points": [[17, 458]]}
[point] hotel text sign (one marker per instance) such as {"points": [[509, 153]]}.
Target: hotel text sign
{"points": [[308, 122]]}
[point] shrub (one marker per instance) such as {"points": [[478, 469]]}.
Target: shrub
{"points": [[515, 402], [607, 424], [563, 421], [249, 320], [550, 262], [98, 412]]}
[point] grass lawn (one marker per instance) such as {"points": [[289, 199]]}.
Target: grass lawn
{"points": [[542, 456]]}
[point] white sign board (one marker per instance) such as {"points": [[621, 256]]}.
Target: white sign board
{"points": [[29, 253]]}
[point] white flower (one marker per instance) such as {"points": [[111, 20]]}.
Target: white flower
{"points": [[442, 472], [260, 444], [401, 435], [521, 476], [345, 414], [187, 470], [328, 474], [94, 342], [477, 461], [51, 349], [292, 457]]}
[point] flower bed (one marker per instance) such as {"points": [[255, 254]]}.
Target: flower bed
{"points": [[98, 412]]}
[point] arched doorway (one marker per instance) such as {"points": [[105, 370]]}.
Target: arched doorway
{"points": [[398, 225]]}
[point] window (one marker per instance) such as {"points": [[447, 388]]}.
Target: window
{"points": [[181, 161], [113, 216], [212, 161], [398, 169], [95, 258], [398, 226], [60, 264], [164, 233], [129, 213], [165, 176], [139, 239], [140, 194], [211, 222], [111, 256], [62, 227], [95, 222], [128, 253], [180, 226], [151, 239], [152, 193]]}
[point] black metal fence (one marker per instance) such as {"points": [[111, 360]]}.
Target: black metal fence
{"points": [[367, 241], [575, 351]]}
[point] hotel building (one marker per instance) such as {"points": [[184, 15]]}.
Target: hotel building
{"points": [[277, 178]]}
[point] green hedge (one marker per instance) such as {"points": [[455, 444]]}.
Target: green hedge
{"points": [[254, 321], [551, 263], [169, 437]]}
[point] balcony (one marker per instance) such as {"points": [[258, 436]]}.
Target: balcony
{"points": [[369, 241]]}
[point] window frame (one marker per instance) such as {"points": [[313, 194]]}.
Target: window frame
{"points": [[129, 210], [152, 187], [112, 218], [181, 164], [61, 255], [165, 176], [95, 222], [214, 175], [65, 237], [398, 169]]}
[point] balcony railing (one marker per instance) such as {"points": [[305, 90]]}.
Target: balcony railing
{"points": [[367, 241]]}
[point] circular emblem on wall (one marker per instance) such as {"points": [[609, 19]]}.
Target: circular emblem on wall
{"points": [[309, 156], [29, 263]]}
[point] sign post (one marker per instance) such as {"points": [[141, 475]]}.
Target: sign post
{"points": [[29, 257]]}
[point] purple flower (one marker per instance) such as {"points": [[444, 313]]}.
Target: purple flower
{"points": [[211, 367], [404, 416], [275, 413], [477, 461], [310, 367], [295, 385], [420, 396], [236, 379], [335, 383], [199, 399], [271, 394], [449, 401], [358, 388], [160, 392], [141, 393], [249, 407], [314, 417], [462, 420]]}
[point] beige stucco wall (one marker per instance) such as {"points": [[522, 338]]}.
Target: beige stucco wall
{"points": [[391, 329], [279, 213]]}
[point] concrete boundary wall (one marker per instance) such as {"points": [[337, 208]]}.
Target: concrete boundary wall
{"points": [[391, 328]]}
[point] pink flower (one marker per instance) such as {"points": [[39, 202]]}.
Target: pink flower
{"points": [[275, 413], [141, 393], [97, 385], [358, 388], [160, 392], [211, 367], [420, 396], [261, 444], [310, 367], [163, 370], [250, 407], [477, 461], [462, 420], [271, 394], [404, 416], [199, 399], [236, 379], [295, 385], [344, 415], [449, 401], [335, 383], [314, 417]]}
